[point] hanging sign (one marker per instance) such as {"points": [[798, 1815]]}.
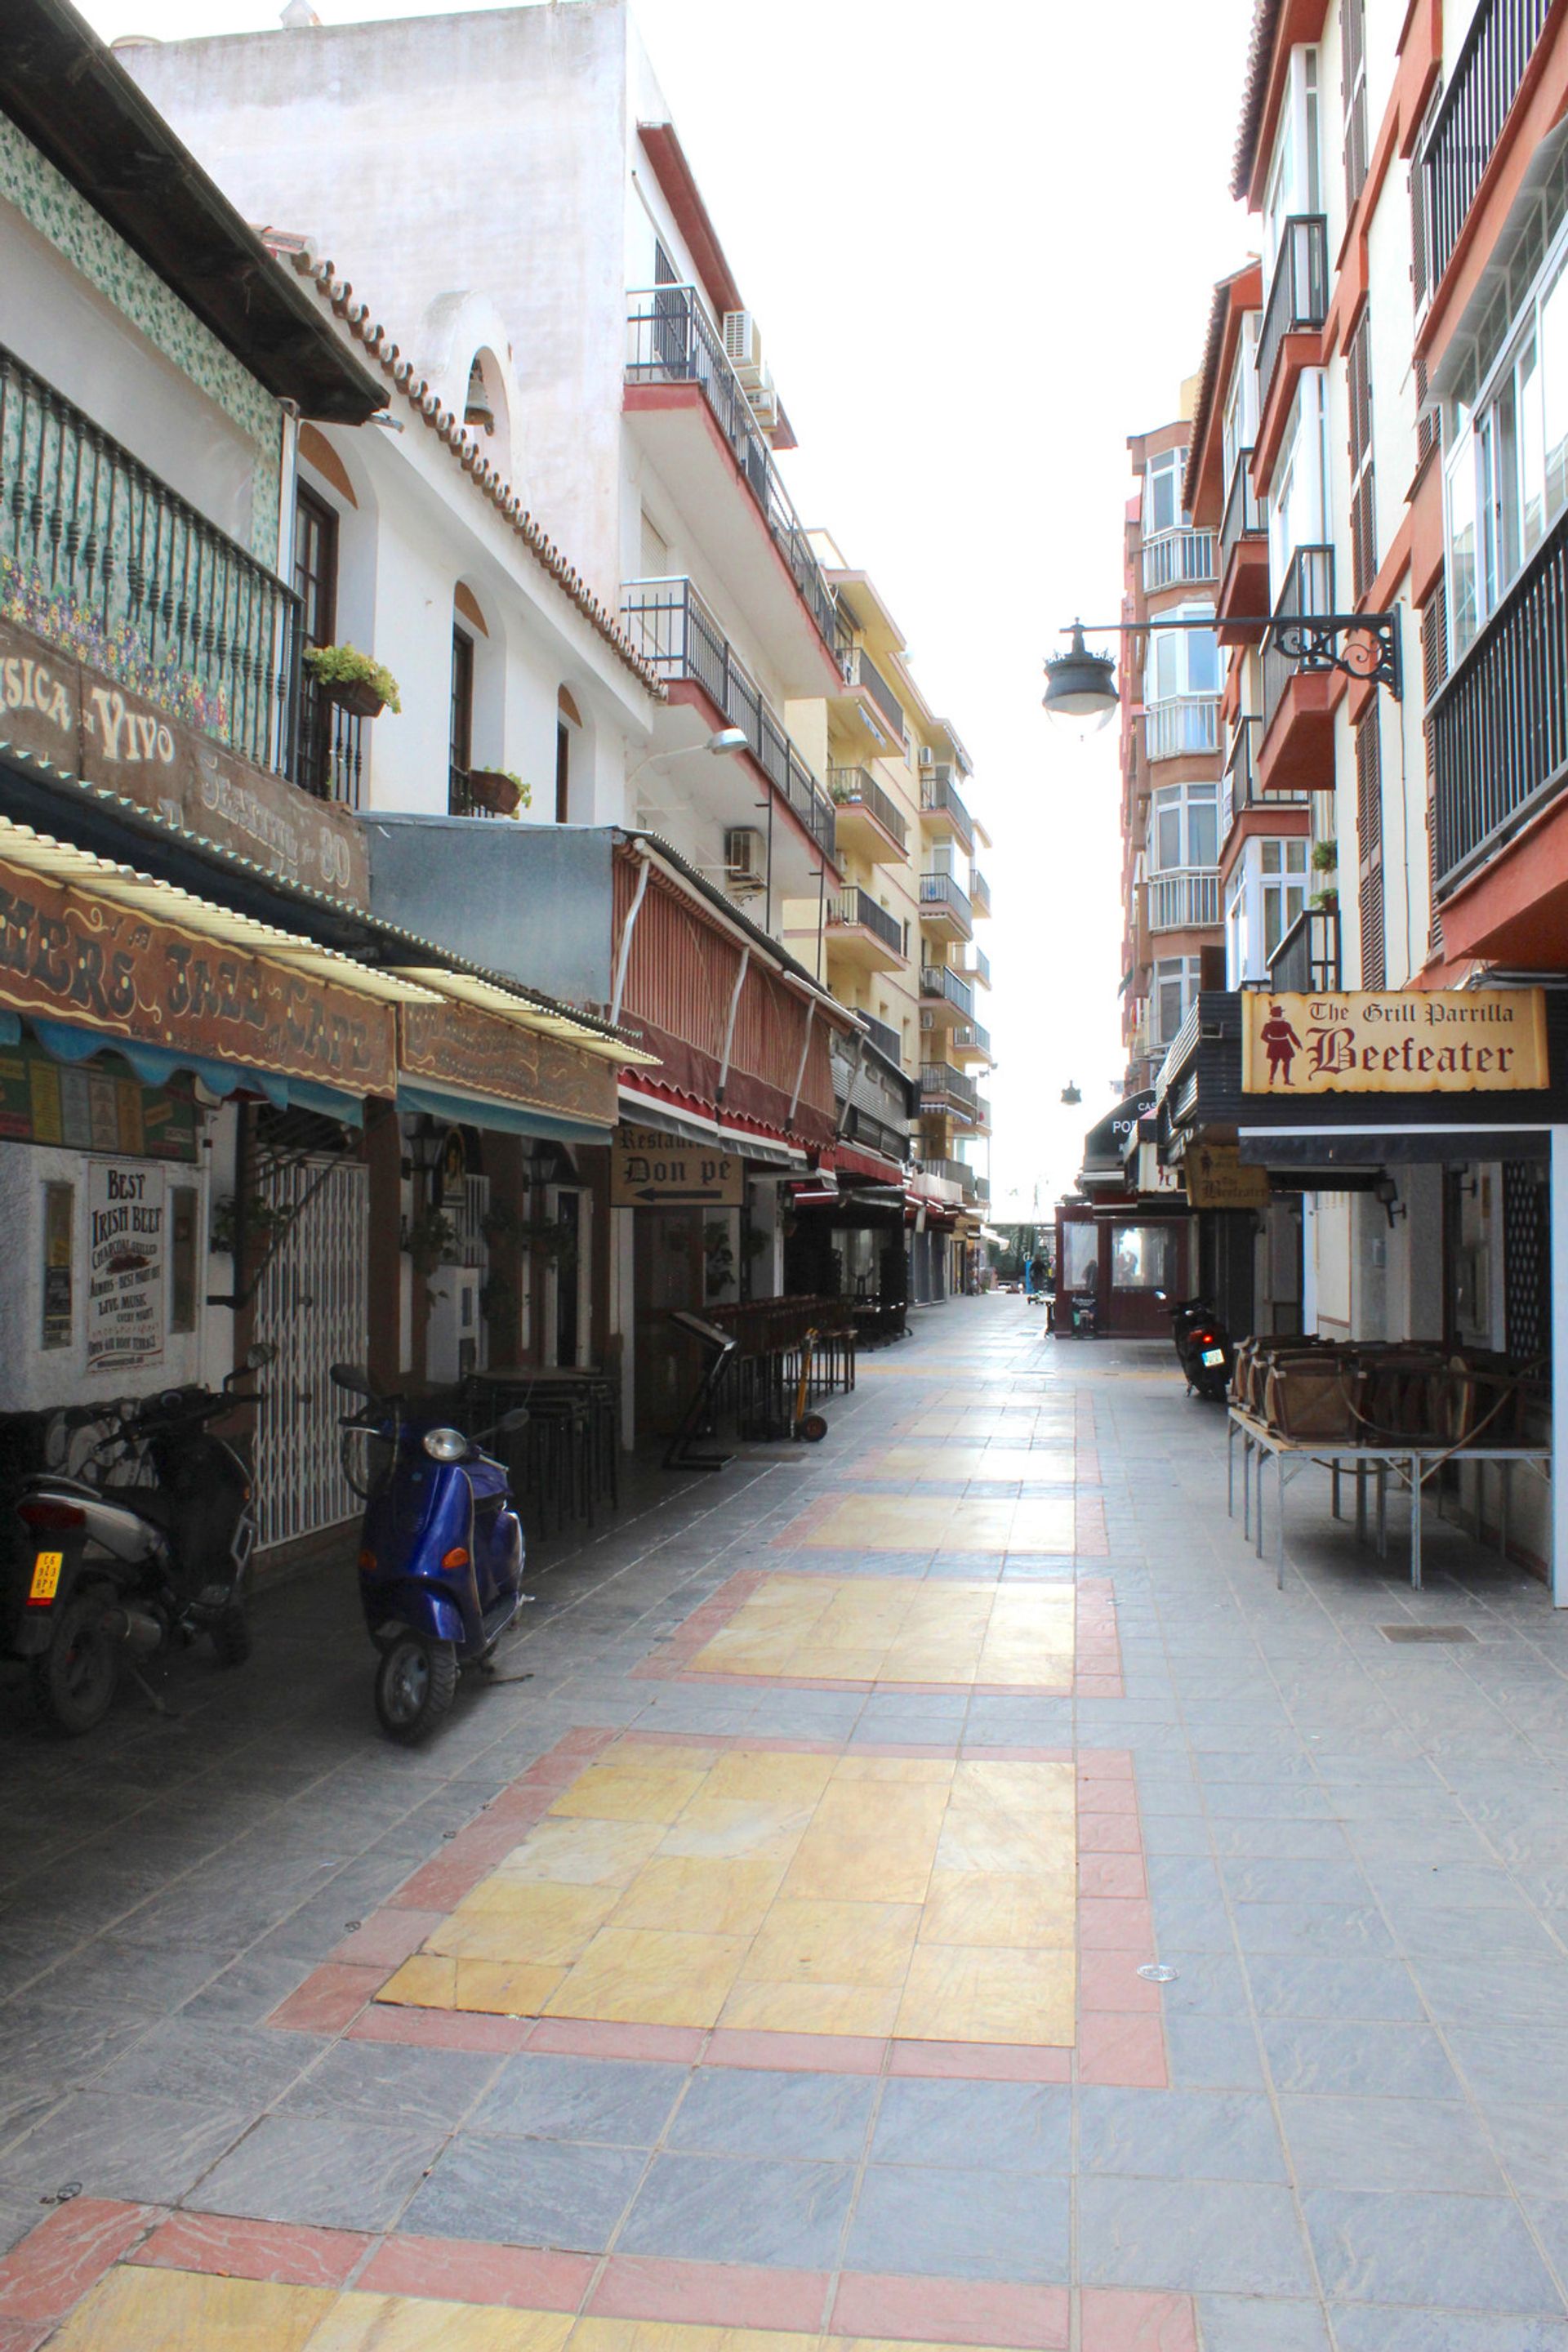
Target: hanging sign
{"points": [[126, 1245], [454, 1045], [651, 1169], [1217, 1179], [1447, 1041]]}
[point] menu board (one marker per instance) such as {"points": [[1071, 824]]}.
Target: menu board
{"points": [[95, 1106], [126, 1248]]}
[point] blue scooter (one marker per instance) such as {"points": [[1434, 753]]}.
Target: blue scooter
{"points": [[441, 1553]]}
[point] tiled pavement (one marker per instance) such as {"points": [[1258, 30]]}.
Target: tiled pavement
{"points": [[775, 1947]]}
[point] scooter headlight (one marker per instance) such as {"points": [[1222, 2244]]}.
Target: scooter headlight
{"points": [[446, 1444]]}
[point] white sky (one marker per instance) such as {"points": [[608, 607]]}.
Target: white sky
{"points": [[981, 250]]}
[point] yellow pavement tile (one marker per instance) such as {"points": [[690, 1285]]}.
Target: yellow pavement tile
{"points": [[833, 1943], [694, 1893], [1020, 1781], [843, 1866], [1044, 1527], [643, 1756], [738, 1829], [666, 2335], [975, 1907], [422, 1982], [583, 1852], [151, 2310], [651, 1976], [957, 1992], [612, 1793], [986, 1836], [504, 1987], [774, 1778], [834, 1665], [913, 1771], [760, 2007], [399, 2323], [524, 1919], [862, 1523]]}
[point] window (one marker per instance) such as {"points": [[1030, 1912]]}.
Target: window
{"points": [[1369, 842], [1175, 991], [1353, 89], [460, 735], [1239, 426], [1297, 498], [1182, 661], [1184, 829], [1293, 186], [183, 1225], [1282, 867], [1142, 1257], [1162, 492], [1363, 503], [315, 567]]}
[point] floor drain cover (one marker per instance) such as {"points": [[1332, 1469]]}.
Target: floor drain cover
{"points": [[1426, 1633]]}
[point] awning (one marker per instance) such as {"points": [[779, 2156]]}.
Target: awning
{"points": [[647, 1105], [153, 1064], [457, 1109]]}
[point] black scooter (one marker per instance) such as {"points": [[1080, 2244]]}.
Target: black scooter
{"points": [[149, 1548], [1204, 1347]]}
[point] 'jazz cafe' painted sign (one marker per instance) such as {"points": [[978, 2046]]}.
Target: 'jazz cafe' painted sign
{"points": [[1414, 1042]]}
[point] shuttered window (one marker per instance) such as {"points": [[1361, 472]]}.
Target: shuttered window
{"points": [[1369, 840], [1363, 507], [1353, 89]]}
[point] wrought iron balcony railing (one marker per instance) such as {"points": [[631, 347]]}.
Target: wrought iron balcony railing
{"points": [[1486, 79], [1309, 589], [1239, 788], [952, 1171], [940, 894], [1298, 301], [940, 796], [1181, 729], [460, 799], [857, 788], [1183, 558], [971, 1038], [672, 628], [1307, 961], [941, 980], [886, 1039], [859, 669], [1498, 727], [329, 763], [1246, 514], [980, 891], [855, 909], [1184, 900], [104, 560], [671, 339], [976, 965], [941, 1083]]}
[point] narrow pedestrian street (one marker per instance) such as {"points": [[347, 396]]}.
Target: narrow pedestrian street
{"points": [[774, 1962]]}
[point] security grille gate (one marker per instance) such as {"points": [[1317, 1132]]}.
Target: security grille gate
{"points": [[311, 1302]]}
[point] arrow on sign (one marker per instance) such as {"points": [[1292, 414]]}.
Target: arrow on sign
{"points": [[658, 1192]]}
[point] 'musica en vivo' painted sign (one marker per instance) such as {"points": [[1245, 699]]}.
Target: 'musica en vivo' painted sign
{"points": [[1415, 1042], [54, 708]]}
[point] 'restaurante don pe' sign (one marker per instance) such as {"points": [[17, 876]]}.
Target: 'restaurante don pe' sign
{"points": [[1414, 1042]]}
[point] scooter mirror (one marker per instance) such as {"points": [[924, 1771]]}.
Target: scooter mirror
{"points": [[511, 1423], [259, 1352], [352, 1377]]}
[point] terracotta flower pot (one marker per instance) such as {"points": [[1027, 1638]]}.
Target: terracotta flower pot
{"points": [[494, 791], [355, 695]]}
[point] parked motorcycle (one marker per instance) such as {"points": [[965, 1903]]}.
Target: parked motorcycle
{"points": [[146, 1550], [1204, 1347], [441, 1550]]}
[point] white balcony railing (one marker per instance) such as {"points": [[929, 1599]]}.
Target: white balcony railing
{"points": [[1181, 729], [1177, 559], [1185, 899]]}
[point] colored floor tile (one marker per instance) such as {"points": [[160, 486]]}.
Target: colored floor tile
{"points": [[888, 1629], [874, 1523]]}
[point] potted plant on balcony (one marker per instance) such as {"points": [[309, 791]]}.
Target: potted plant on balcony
{"points": [[1326, 862], [499, 791], [354, 680]]}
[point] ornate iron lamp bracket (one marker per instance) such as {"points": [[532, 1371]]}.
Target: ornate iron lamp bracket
{"points": [[1364, 646]]}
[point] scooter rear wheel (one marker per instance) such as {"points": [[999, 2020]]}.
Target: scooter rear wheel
{"points": [[416, 1684], [73, 1682]]}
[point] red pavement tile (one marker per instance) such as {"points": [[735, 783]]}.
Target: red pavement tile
{"points": [[442, 1883], [709, 2295], [24, 2335], [1106, 1796], [1110, 1873], [57, 2262], [1104, 1764], [981, 2061], [442, 2029], [952, 2311], [1114, 1922], [285, 2252], [1110, 1981], [1108, 1832], [584, 2037], [988, 1754], [329, 1999], [828, 2054], [461, 2270], [387, 1937], [1098, 1686], [1114, 2047], [1112, 2319]]}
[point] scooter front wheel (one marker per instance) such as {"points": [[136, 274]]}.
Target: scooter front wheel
{"points": [[416, 1684]]}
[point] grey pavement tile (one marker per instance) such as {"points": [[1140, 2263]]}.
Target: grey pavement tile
{"points": [[1281, 1841], [1531, 2142], [108, 1971], [1298, 1878], [1398, 2144], [1201, 1925], [329, 2171], [1513, 2062], [526, 2192], [1551, 2220], [1359, 2059], [1209, 1984], [1336, 1930], [1213, 2236], [932, 2222], [1178, 2135], [121, 2144], [244, 1992], [1235, 2323], [1283, 1987], [1472, 1988], [1462, 2253], [1002, 2126], [244, 2066], [1212, 2054], [1368, 2328], [735, 2111], [410, 2087], [740, 2209], [1434, 1931], [591, 2100]]}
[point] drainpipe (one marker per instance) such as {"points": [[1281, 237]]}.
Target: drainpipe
{"points": [[730, 1024], [623, 958]]}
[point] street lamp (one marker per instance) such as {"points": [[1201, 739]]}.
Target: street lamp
{"points": [[1081, 685]]}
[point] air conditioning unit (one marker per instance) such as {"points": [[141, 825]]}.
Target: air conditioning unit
{"points": [[764, 401], [745, 859], [927, 757], [743, 346]]}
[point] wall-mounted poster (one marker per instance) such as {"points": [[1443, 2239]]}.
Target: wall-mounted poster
{"points": [[59, 1217], [125, 1305]]}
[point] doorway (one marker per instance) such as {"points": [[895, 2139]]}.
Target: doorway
{"points": [[668, 1272]]}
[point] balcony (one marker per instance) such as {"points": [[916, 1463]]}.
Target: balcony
{"points": [[866, 701], [1239, 788], [969, 1038], [1243, 554], [1178, 558], [1185, 899], [1296, 302], [976, 965], [942, 808], [948, 997], [1498, 727], [1307, 961], [672, 345], [1183, 729], [330, 764], [945, 910], [886, 1039], [861, 932], [462, 799], [951, 1171], [944, 1088], [107, 563], [982, 1114], [869, 821], [979, 891], [1297, 751], [671, 627], [983, 1191], [1486, 79]]}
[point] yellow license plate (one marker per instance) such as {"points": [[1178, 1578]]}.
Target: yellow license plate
{"points": [[46, 1576]]}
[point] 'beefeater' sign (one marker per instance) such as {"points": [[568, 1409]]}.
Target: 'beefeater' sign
{"points": [[1414, 1042]]}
